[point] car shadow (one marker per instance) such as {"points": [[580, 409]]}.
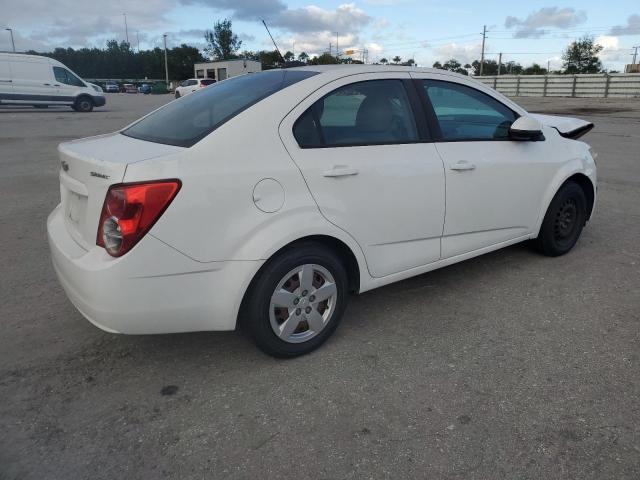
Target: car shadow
{"points": [[235, 349]]}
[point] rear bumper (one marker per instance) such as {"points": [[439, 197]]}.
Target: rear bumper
{"points": [[99, 101], [151, 289]]}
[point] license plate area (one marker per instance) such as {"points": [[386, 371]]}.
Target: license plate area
{"points": [[75, 211]]}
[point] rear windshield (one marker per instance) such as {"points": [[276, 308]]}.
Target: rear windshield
{"points": [[190, 119], [207, 81]]}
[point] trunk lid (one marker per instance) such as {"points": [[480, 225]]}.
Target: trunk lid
{"points": [[568, 127], [88, 168]]}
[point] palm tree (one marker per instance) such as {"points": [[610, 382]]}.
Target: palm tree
{"points": [[384, 61], [397, 59]]}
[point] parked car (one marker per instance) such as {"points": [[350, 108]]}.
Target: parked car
{"points": [[111, 87], [192, 85], [43, 81], [129, 88], [264, 200], [145, 88]]}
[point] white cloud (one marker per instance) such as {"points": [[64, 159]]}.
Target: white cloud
{"points": [[346, 18], [533, 25], [611, 51], [463, 53]]}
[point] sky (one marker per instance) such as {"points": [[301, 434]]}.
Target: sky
{"points": [[425, 30]]}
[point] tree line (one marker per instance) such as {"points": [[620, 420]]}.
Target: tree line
{"points": [[580, 56], [119, 61]]}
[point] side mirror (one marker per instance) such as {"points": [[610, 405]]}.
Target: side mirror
{"points": [[526, 128]]}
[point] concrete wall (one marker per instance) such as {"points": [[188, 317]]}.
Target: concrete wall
{"points": [[597, 85]]}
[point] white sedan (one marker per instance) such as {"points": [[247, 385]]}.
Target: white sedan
{"points": [[192, 85], [265, 200]]}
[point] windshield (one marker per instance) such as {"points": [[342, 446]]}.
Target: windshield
{"points": [[186, 121]]}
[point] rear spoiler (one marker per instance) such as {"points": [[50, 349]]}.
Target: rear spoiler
{"points": [[567, 127]]}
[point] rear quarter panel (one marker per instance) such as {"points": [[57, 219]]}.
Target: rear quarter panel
{"points": [[214, 216]]}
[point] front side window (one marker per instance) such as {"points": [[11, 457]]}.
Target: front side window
{"points": [[186, 121], [65, 76], [464, 113], [365, 113]]}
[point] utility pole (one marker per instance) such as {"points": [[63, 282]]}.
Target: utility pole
{"points": [[126, 29], [166, 65], [484, 35], [499, 62], [138, 40], [330, 50], [337, 48], [635, 53], [548, 66], [13, 45]]}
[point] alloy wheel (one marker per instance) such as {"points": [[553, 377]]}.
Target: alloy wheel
{"points": [[303, 303]]}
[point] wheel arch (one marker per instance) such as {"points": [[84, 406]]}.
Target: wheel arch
{"points": [[587, 186], [577, 173], [84, 95], [340, 248]]}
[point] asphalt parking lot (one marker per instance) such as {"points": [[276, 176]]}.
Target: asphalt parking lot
{"points": [[510, 365]]}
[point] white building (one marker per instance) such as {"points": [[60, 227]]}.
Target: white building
{"points": [[226, 69]]}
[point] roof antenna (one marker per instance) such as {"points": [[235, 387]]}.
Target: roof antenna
{"points": [[274, 43]]}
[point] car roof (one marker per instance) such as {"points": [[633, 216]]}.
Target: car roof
{"points": [[348, 69]]}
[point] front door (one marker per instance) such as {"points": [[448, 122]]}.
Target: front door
{"points": [[494, 184], [67, 84], [363, 153]]}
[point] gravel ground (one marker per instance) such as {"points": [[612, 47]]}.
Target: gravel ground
{"points": [[510, 365]]}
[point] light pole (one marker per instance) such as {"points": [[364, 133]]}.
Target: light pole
{"points": [[166, 66], [12, 42], [126, 29]]}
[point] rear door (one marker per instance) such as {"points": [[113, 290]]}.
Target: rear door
{"points": [[6, 87], [33, 81], [362, 145], [494, 185]]}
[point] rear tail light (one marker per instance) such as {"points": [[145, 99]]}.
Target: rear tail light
{"points": [[129, 212]]}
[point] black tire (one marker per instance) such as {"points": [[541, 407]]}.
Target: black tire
{"points": [[177, 95], [563, 222], [83, 104], [255, 316]]}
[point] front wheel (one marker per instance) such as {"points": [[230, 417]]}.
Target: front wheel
{"points": [[296, 302], [563, 222], [177, 95], [83, 104]]}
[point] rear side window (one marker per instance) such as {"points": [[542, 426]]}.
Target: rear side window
{"points": [[464, 113], [207, 81], [65, 76], [186, 121], [365, 113]]}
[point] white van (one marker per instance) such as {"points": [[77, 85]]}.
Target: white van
{"points": [[42, 81]]}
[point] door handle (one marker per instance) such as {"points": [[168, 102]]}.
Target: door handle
{"points": [[56, 85], [463, 165], [340, 171], [47, 84]]}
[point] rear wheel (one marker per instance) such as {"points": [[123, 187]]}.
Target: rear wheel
{"points": [[564, 220], [177, 95], [296, 302], [83, 104]]}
